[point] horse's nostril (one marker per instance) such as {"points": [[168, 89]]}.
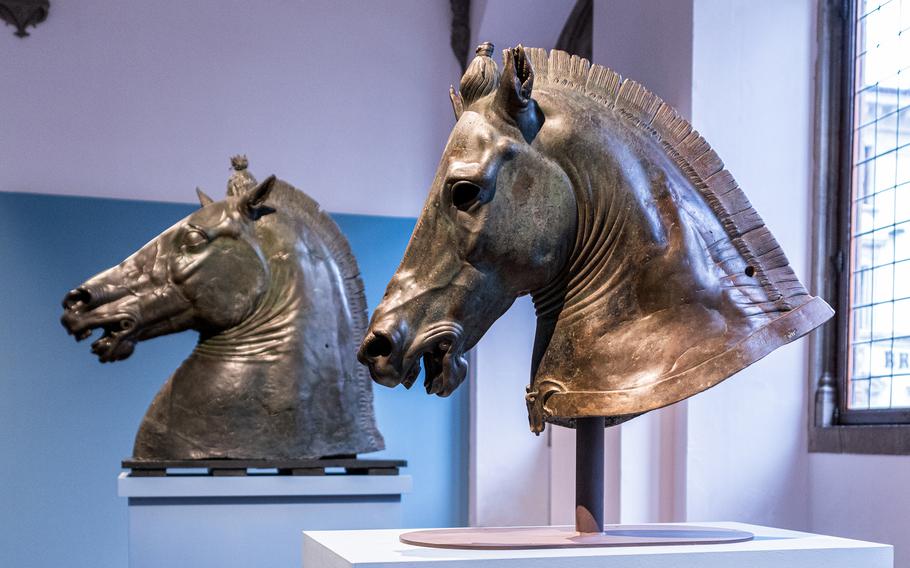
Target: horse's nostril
{"points": [[76, 297], [379, 346]]}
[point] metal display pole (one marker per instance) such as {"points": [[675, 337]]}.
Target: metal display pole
{"points": [[589, 475]]}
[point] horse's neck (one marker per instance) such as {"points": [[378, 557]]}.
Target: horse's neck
{"points": [[649, 292], [270, 333], [674, 283], [599, 270], [617, 235], [640, 278]]}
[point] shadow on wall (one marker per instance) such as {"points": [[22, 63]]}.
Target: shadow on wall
{"points": [[66, 421]]}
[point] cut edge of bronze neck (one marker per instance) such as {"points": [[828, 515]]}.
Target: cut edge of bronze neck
{"points": [[552, 402]]}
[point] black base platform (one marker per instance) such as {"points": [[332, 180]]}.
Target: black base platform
{"points": [[228, 467]]}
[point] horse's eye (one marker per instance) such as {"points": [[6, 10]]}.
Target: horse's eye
{"points": [[464, 195], [194, 239]]}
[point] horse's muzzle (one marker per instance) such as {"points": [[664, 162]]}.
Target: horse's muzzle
{"points": [[381, 351], [85, 310], [88, 296], [392, 361]]}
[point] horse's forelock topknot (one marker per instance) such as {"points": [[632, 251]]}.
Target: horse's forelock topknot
{"points": [[481, 77], [239, 162], [485, 49]]}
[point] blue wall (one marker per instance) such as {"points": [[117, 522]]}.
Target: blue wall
{"points": [[66, 421]]}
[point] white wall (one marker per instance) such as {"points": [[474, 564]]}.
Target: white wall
{"points": [[752, 100], [509, 474], [509, 465], [754, 73], [864, 497], [145, 100]]}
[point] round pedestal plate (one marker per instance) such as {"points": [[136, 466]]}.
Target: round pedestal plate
{"points": [[514, 538], [589, 529]]}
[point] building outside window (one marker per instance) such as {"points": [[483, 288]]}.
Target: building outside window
{"points": [[878, 369]]}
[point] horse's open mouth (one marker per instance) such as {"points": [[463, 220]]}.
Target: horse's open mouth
{"points": [[445, 369], [440, 349], [115, 344]]}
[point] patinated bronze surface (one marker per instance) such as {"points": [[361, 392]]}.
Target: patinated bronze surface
{"points": [[269, 282], [652, 275]]}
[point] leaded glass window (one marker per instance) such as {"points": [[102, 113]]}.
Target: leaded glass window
{"points": [[879, 260]]}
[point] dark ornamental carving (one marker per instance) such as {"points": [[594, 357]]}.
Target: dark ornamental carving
{"points": [[577, 32], [269, 282], [23, 13], [460, 37]]}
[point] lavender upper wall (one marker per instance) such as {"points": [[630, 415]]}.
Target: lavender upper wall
{"points": [[649, 42], [507, 23], [145, 100]]}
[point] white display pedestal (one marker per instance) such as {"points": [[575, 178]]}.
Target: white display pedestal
{"points": [[772, 548], [255, 520]]}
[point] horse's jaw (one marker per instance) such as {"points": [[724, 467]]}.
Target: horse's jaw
{"points": [[119, 321], [444, 371]]}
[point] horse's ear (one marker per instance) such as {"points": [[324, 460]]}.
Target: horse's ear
{"points": [[457, 102], [252, 204], [203, 198], [517, 80], [513, 96]]}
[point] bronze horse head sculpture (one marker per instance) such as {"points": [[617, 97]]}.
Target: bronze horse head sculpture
{"points": [[269, 282], [652, 276]]}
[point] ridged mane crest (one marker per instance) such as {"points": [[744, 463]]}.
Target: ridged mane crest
{"points": [[691, 153]]}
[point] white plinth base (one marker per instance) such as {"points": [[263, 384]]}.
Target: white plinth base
{"points": [[772, 548], [249, 521]]}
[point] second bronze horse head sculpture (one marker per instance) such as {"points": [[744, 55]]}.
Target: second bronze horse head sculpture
{"points": [[269, 282], [652, 276]]}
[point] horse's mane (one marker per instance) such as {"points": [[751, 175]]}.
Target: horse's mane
{"points": [[692, 154], [299, 205]]}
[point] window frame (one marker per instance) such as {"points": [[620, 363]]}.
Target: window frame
{"points": [[834, 428]]}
